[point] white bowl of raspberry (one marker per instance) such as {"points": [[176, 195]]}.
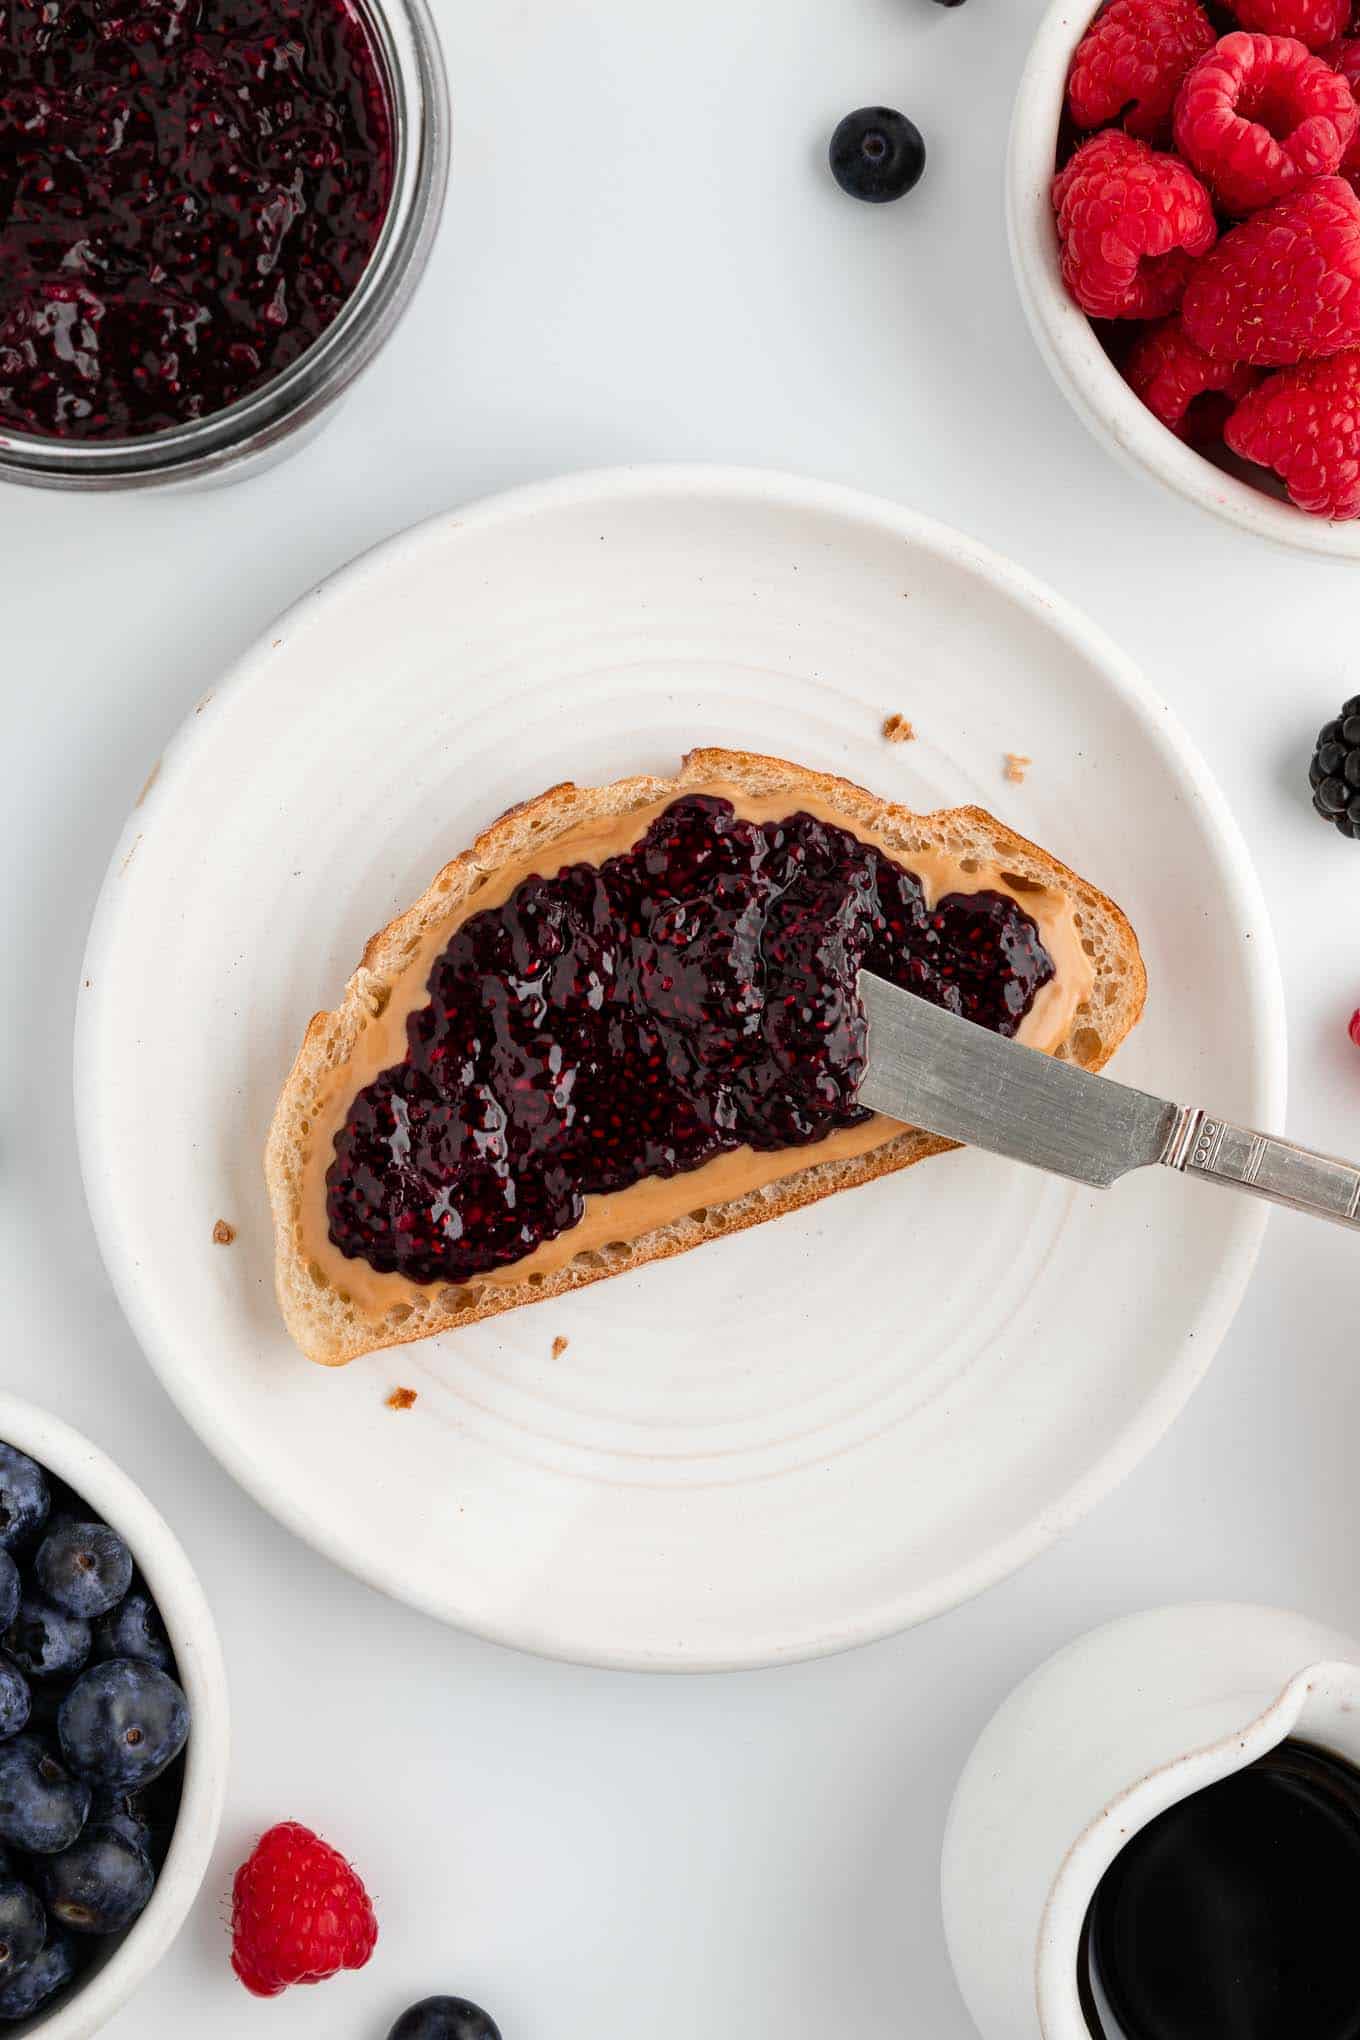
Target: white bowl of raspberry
{"points": [[70, 1521], [1233, 299]]}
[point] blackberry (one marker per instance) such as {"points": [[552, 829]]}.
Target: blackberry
{"points": [[1334, 774]]}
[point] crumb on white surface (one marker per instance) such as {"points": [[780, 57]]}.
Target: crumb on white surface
{"points": [[1017, 765], [559, 1346], [401, 1399], [898, 730], [223, 1233]]}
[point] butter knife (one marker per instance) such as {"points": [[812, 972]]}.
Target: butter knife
{"points": [[950, 1077]]}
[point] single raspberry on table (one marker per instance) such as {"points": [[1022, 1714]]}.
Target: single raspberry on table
{"points": [[1313, 22], [1182, 386], [1258, 116], [1283, 286], [1131, 60], [1130, 223], [1305, 424], [298, 1913]]}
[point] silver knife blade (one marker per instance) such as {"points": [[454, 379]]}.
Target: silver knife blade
{"points": [[954, 1078]]}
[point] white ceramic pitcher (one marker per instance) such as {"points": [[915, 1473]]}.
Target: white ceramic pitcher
{"points": [[1122, 1724]]}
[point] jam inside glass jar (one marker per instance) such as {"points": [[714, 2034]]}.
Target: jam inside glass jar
{"points": [[190, 191]]}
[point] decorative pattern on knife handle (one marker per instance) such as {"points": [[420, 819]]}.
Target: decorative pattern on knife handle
{"points": [[1322, 1185]]}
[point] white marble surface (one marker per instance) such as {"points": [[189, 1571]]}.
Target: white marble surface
{"points": [[644, 259]]}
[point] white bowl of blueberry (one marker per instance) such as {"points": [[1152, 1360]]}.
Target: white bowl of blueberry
{"points": [[113, 1731]]}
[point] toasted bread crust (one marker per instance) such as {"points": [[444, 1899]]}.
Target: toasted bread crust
{"points": [[333, 1333]]}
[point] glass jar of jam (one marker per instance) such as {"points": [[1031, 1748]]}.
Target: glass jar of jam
{"points": [[212, 214]]}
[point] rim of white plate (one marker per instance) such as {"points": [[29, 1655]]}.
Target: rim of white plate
{"points": [[1199, 1340]]}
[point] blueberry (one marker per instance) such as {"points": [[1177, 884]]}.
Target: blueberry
{"points": [[134, 1630], [10, 1590], [83, 1568], [445, 2018], [24, 1498], [23, 1927], [46, 1642], [125, 1814], [100, 1884], [42, 1806], [38, 1980], [16, 1702], [123, 1723], [877, 154]]}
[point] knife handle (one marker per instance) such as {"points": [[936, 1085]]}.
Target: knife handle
{"points": [[1322, 1185]]}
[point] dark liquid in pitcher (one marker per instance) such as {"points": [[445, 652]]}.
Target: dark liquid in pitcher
{"points": [[1236, 1914]]}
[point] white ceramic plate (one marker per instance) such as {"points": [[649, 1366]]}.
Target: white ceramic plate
{"points": [[793, 1440]]}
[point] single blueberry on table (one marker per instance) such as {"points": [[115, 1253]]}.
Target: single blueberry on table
{"points": [[46, 1642], [83, 1568], [445, 2018], [100, 1884], [23, 1925], [42, 1805], [877, 154], [123, 1723], [38, 1980], [16, 1702], [24, 1498], [134, 1630]]}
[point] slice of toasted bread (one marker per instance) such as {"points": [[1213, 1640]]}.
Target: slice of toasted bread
{"points": [[333, 1325]]}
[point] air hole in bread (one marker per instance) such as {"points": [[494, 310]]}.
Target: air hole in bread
{"points": [[700, 1216], [304, 1126], [1086, 1046], [318, 1274], [618, 1250], [452, 1299], [379, 1001], [537, 1279], [398, 1313], [343, 1296], [1090, 947], [1017, 882], [969, 864]]}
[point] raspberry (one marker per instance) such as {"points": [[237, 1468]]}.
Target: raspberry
{"points": [[1129, 222], [1191, 394], [1344, 56], [1258, 117], [1312, 22], [1305, 423], [1284, 286], [1131, 60], [298, 1913]]}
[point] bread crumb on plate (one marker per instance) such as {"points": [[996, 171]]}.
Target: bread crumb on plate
{"points": [[401, 1399], [560, 1346], [898, 730], [223, 1233], [1017, 765]]}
